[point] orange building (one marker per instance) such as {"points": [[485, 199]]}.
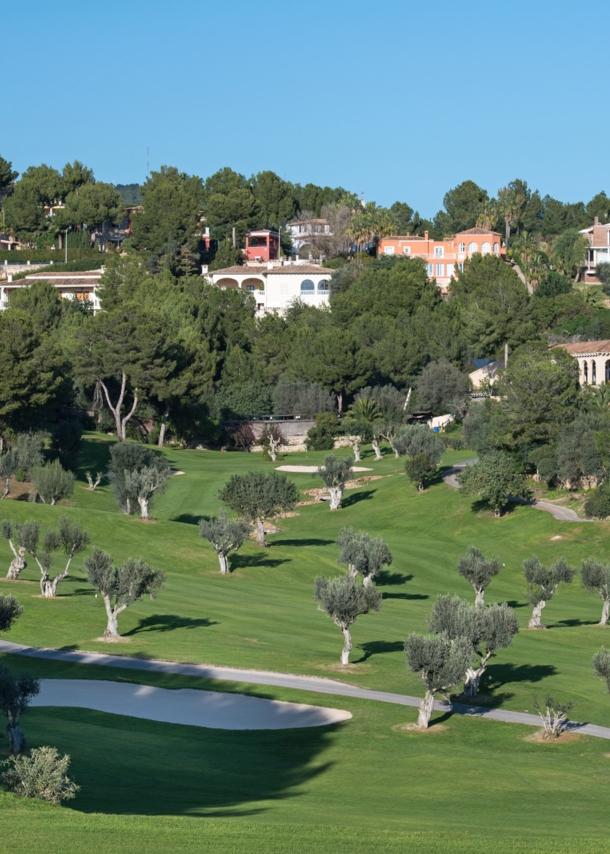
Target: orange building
{"points": [[443, 257]]}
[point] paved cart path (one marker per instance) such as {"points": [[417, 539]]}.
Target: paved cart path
{"points": [[562, 514], [316, 684]]}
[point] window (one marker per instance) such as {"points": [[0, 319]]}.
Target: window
{"points": [[439, 269], [461, 266], [450, 269], [438, 251], [307, 288], [472, 247], [594, 372], [486, 248], [462, 247], [586, 371], [323, 286], [388, 250], [496, 249], [407, 249], [430, 269]]}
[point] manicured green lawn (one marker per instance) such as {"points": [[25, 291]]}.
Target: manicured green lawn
{"points": [[361, 786]]}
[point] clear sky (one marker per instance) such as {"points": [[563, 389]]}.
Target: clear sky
{"points": [[402, 100]]}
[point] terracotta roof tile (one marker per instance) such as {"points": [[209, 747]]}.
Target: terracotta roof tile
{"points": [[478, 230], [587, 348]]}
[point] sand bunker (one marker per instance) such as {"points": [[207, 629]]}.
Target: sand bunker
{"points": [[312, 469], [184, 706]]}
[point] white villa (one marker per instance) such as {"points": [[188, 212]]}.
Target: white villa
{"points": [[275, 285], [303, 230], [79, 286], [593, 360]]}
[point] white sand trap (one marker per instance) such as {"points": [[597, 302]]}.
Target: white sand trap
{"points": [[311, 469], [184, 706]]}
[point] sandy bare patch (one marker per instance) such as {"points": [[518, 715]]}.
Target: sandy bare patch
{"points": [[432, 729], [558, 537], [345, 668], [118, 639], [184, 706], [175, 471], [17, 581], [312, 469], [538, 737]]}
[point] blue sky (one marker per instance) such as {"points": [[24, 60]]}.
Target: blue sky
{"points": [[402, 100]]}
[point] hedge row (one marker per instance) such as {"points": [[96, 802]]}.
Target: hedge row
{"points": [[22, 256]]}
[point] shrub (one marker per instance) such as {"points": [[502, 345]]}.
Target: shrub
{"points": [[416, 439], [29, 448], [598, 502], [420, 469], [42, 775], [52, 482], [322, 436]]}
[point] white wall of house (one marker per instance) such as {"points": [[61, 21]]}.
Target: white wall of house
{"points": [[274, 288]]}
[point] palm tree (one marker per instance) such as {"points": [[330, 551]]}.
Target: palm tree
{"points": [[592, 296]]}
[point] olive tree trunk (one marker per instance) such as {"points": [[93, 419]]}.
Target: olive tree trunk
{"points": [[260, 533], [474, 676], [48, 588], [356, 443], [163, 428], [18, 563], [351, 570], [143, 502], [223, 560], [535, 622], [479, 597], [336, 494], [376, 448], [274, 445], [347, 648], [605, 612], [425, 710], [112, 629], [7, 486], [15, 737]]}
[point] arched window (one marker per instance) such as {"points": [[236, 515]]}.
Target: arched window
{"points": [[462, 247], [307, 288], [585, 368], [323, 286], [472, 247], [486, 248], [608, 366], [593, 372], [496, 248]]}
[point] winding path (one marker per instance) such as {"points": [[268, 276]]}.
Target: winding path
{"points": [[284, 680], [562, 514]]}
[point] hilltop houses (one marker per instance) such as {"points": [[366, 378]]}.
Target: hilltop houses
{"points": [[444, 257]]}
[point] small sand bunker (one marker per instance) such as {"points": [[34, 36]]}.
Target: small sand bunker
{"points": [[311, 469], [185, 706]]}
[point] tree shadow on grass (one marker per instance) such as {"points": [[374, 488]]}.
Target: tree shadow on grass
{"points": [[413, 597], [565, 623], [169, 622], [357, 497], [512, 603], [84, 591], [242, 561], [386, 578], [152, 768], [312, 541], [379, 648], [506, 674], [478, 506], [188, 518]]}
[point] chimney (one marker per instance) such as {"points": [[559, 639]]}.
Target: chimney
{"points": [[10, 277], [596, 221], [204, 269], [425, 235]]}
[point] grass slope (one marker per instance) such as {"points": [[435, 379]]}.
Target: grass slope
{"points": [[361, 786]]}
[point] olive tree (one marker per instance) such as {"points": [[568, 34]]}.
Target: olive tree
{"points": [[52, 482], [420, 469], [363, 554], [495, 480], [272, 439], [128, 461], [10, 610], [22, 537], [601, 665], [486, 629], [478, 572], [145, 483], [259, 496], [343, 599], [225, 536], [440, 662], [553, 714], [415, 439], [9, 466], [335, 473], [121, 586], [72, 540], [16, 693], [543, 582], [595, 578]]}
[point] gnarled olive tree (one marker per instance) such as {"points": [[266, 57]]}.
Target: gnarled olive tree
{"points": [[595, 578], [343, 599], [543, 582], [225, 536], [478, 572], [363, 554], [259, 496], [335, 473], [440, 662], [16, 692]]}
